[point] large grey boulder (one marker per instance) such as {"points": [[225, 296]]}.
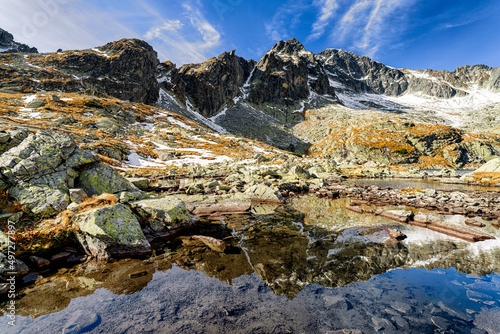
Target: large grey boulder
{"points": [[98, 178], [41, 169], [262, 193], [111, 231], [162, 214]]}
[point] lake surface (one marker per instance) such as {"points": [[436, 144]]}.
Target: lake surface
{"points": [[309, 267], [418, 183]]}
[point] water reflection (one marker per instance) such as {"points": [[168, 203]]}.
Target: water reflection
{"points": [[418, 183], [313, 251]]}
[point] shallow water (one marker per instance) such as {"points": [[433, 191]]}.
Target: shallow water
{"points": [[418, 183], [311, 267]]}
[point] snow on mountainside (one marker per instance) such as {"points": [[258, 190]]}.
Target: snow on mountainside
{"points": [[264, 100]]}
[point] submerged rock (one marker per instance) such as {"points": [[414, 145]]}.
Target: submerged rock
{"points": [[111, 231], [213, 243]]}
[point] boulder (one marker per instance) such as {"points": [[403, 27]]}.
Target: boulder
{"points": [[40, 171], [162, 214], [77, 195], [17, 268], [99, 178], [111, 231], [36, 103], [491, 166], [140, 182], [263, 193]]}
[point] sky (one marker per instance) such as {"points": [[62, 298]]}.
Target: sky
{"points": [[415, 34]]}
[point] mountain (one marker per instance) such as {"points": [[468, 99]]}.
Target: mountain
{"points": [[125, 69], [8, 45], [334, 104]]}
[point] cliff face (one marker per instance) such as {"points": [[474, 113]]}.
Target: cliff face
{"points": [[286, 74], [8, 45], [125, 69], [212, 85]]}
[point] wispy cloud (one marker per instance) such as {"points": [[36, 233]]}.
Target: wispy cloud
{"points": [[186, 39], [372, 24], [285, 19], [67, 24], [327, 10], [180, 33], [169, 26]]}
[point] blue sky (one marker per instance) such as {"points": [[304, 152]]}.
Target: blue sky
{"points": [[417, 34]]}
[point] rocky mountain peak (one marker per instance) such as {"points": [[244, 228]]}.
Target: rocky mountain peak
{"points": [[288, 47], [8, 45]]}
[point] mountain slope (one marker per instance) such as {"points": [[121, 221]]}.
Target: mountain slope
{"points": [[8, 45]]}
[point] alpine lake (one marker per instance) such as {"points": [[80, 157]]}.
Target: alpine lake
{"points": [[309, 266]]}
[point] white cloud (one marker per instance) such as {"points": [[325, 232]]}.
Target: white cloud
{"points": [[180, 33], [169, 25], [67, 24], [372, 24], [327, 11], [187, 39]]}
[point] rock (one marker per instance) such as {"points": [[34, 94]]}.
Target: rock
{"points": [[163, 214], [8, 45], [39, 262], [36, 103], [472, 222], [111, 231], [399, 215], [263, 193], [41, 169], [4, 288], [395, 234], [60, 257], [108, 125], [19, 268], [129, 196], [4, 241], [213, 243], [140, 182], [55, 98], [77, 195], [99, 178]]}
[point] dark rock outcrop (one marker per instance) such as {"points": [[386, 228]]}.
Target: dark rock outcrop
{"points": [[8, 45], [362, 74], [211, 85], [287, 74], [125, 69]]}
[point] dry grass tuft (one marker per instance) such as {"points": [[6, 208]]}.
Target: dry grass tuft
{"points": [[95, 202]]}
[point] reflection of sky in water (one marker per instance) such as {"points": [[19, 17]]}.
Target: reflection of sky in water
{"points": [[415, 183], [312, 270], [180, 301]]}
